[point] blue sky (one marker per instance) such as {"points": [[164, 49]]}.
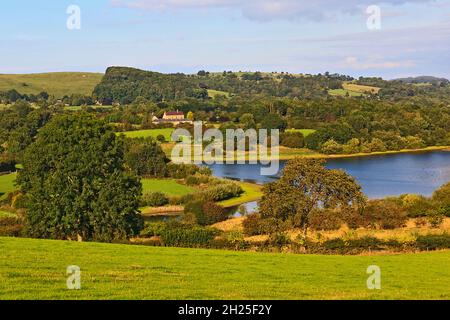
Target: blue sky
{"points": [[297, 36]]}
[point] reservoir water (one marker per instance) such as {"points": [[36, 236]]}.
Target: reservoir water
{"points": [[379, 176]]}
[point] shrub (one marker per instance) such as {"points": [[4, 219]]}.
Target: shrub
{"points": [[7, 166], [176, 200], [19, 201], [198, 179], [254, 225], [331, 147], [279, 240], [292, 140], [192, 181], [155, 199], [383, 214], [433, 242], [325, 220], [154, 229], [193, 238], [353, 218], [182, 171], [353, 246], [236, 239], [161, 138], [435, 219], [417, 206], [214, 213], [420, 222], [222, 192], [442, 198], [11, 226], [206, 212]]}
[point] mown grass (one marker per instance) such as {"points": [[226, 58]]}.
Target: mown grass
{"points": [[7, 184], [36, 269], [154, 133], [57, 83], [166, 186], [252, 192]]}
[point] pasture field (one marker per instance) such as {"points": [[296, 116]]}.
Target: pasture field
{"points": [[305, 132], [58, 84], [154, 133], [7, 184], [36, 269], [215, 93], [360, 88], [343, 93], [166, 186], [353, 90]]}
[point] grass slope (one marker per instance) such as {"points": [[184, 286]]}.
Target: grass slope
{"points": [[215, 93], [57, 83], [7, 182], [36, 269], [305, 132], [169, 187]]}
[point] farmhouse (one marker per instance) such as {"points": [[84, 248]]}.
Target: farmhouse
{"points": [[174, 117]]}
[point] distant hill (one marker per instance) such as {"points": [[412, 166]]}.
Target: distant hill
{"points": [[422, 79], [124, 85], [57, 83]]}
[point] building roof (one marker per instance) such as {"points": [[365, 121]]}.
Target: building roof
{"points": [[174, 113]]}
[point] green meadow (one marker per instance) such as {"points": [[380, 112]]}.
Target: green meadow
{"points": [[36, 269], [56, 83], [7, 184], [305, 132], [154, 133], [166, 186], [215, 93]]}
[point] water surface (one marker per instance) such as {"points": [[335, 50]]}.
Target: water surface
{"points": [[379, 176]]}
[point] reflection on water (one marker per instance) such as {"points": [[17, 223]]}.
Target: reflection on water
{"points": [[379, 176]]}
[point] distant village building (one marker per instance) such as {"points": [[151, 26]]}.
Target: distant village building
{"points": [[174, 117]]}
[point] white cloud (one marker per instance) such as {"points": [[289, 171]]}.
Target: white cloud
{"points": [[264, 10]]}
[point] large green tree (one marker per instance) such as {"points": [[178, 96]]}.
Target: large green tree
{"points": [[74, 177], [145, 157], [305, 186]]}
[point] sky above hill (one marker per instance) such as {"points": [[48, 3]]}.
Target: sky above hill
{"points": [[410, 37]]}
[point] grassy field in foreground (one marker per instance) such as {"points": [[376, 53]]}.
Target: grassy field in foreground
{"points": [[7, 184], [154, 133], [36, 269], [167, 186], [57, 83]]}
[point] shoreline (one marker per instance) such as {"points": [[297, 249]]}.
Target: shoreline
{"points": [[313, 155]]}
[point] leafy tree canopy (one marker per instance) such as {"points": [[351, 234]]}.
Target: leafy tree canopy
{"points": [[74, 177]]}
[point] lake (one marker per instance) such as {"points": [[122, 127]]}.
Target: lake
{"points": [[379, 176]]}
